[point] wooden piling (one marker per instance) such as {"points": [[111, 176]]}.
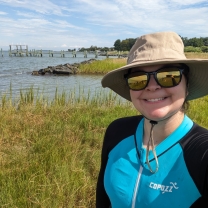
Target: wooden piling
{"points": [[119, 54], [20, 50], [96, 54], [62, 54], [74, 55], [85, 54]]}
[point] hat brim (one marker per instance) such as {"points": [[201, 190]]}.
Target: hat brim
{"points": [[198, 77]]}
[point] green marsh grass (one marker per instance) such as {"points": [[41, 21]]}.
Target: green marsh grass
{"points": [[197, 55], [102, 66], [109, 64], [198, 111], [50, 150]]}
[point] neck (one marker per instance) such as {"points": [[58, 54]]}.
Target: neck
{"points": [[163, 128]]}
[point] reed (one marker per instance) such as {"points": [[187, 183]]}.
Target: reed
{"points": [[198, 111], [50, 150], [197, 55], [102, 66], [109, 64]]}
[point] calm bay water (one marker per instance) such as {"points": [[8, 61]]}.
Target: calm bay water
{"points": [[16, 72]]}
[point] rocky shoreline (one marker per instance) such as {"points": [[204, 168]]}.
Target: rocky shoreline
{"points": [[66, 69]]}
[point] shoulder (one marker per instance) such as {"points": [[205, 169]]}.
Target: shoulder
{"points": [[195, 143], [125, 125], [196, 137], [120, 129], [195, 150]]}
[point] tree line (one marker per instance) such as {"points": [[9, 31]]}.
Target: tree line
{"points": [[195, 44], [125, 45], [95, 48], [191, 45]]}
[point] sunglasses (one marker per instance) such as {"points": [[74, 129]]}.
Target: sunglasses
{"points": [[169, 76]]}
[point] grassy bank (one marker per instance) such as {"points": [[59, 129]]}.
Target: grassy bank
{"points": [[106, 65], [197, 55], [102, 66], [50, 151]]}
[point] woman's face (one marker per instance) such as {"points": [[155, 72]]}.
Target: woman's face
{"points": [[155, 102]]}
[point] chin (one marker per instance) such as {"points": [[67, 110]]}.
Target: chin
{"points": [[159, 116], [156, 115], [156, 118]]}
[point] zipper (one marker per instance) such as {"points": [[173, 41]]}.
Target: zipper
{"points": [[136, 188]]}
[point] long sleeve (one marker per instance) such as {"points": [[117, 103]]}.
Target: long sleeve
{"points": [[102, 199]]}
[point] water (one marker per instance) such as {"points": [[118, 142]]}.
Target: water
{"points": [[16, 72]]}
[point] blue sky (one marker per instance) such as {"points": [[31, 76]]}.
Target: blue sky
{"points": [[63, 24]]}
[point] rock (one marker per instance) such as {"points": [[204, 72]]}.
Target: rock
{"points": [[35, 73], [66, 69]]}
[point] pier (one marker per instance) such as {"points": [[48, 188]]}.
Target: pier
{"points": [[18, 50], [23, 51]]}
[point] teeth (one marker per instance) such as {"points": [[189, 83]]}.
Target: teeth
{"points": [[155, 100]]}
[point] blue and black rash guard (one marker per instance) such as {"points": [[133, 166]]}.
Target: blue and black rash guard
{"points": [[125, 180]]}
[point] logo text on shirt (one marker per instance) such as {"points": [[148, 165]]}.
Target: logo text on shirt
{"points": [[163, 188]]}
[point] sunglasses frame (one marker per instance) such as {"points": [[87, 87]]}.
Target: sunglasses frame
{"points": [[183, 69]]}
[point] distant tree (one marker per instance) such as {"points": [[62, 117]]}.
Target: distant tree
{"points": [[205, 41], [106, 49], [195, 42], [131, 42], [82, 49], [192, 44], [93, 48], [204, 49], [125, 45], [117, 45], [185, 41]]}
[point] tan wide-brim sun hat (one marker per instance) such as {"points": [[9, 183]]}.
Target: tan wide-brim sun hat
{"points": [[160, 48]]}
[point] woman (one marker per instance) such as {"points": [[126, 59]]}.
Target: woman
{"points": [[159, 159]]}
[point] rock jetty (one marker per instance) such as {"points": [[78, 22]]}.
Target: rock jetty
{"points": [[66, 69]]}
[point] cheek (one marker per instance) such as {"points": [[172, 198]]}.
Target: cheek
{"points": [[134, 94], [178, 93], [136, 99]]}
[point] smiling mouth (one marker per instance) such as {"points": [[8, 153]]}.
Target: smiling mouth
{"points": [[155, 99]]}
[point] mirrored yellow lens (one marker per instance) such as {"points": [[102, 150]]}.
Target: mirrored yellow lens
{"points": [[138, 82], [168, 78]]}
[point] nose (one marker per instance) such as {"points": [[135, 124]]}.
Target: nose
{"points": [[152, 85]]}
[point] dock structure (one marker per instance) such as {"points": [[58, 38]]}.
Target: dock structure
{"points": [[85, 54], [2, 55], [74, 55], [22, 51], [18, 50]]}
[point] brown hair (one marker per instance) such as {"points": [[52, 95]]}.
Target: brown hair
{"points": [[185, 105]]}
